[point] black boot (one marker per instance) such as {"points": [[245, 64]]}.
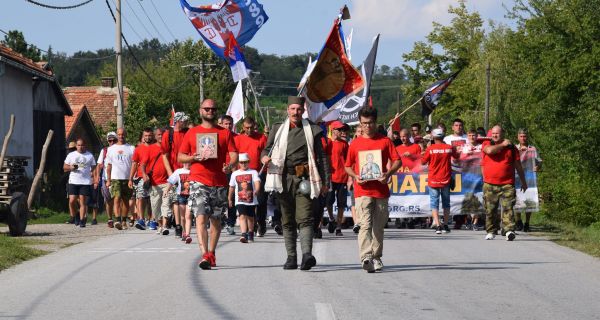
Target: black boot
{"points": [[519, 225], [178, 230], [308, 261], [291, 263], [526, 227]]}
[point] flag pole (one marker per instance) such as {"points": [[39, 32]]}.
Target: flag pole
{"points": [[405, 110], [256, 101]]}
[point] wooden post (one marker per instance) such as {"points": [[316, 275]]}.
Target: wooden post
{"points": [[6, 139], [40, 172]]}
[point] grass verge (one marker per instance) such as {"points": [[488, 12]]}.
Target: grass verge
{"points": [[16, 250], [584, 239]]}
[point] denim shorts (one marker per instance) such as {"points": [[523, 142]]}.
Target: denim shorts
{"points": [[182, 199], [434, 197]]}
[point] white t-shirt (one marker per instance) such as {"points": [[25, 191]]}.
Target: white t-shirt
{"points": [[456, 141], [119, 156], [101, 161], [180, 178], [85, 162], [243, 181]]}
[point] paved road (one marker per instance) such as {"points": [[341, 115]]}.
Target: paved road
{"points": [[140, 275]]}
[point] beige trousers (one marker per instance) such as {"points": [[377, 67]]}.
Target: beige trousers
{"points": [[373, 214]]}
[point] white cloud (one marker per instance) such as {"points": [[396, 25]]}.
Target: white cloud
{"points": [[406, 19]]}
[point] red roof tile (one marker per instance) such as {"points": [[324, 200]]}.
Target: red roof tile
{"points": [[99, 101], [17, 57], [70, 120]]}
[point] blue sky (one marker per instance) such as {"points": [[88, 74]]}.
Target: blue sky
{"points": [[293, 27]]}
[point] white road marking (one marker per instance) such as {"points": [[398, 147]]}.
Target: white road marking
{"points": [[141, 250], [324, 311]]}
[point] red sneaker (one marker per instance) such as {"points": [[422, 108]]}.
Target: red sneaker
{"points": [[188, 239], [213, 259], [205, 263]]}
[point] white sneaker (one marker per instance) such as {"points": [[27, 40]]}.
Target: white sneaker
{"points": [[490, 236], [367, 265], [377, 264], [159, 231], [510, 236]]}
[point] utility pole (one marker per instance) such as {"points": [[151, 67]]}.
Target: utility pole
{"points": [[398, 102], [201, 81], [118, 50], [200, 67], [486, 120]]}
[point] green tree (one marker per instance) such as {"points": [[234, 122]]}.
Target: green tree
{"points": [[16, 41]]}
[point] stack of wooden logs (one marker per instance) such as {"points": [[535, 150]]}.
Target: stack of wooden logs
{"points": [[12, 177]]}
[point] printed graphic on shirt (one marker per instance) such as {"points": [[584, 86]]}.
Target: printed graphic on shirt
{"points": [[185, 184], [370, 164], [245, 188]]}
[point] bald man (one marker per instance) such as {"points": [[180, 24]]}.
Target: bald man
{"points": [[118, 167], [208, 181], [500, 159]]}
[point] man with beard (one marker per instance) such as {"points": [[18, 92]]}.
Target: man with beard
{"points": [[298, 170], [208, 179]]}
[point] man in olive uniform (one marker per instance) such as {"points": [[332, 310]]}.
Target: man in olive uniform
{"points": [[290, 161]]}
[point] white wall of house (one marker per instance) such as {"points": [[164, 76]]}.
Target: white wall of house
{"points": [[16, 98]]}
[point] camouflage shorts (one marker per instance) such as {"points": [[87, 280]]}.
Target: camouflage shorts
{"points": [[172, 196], [205, 200], [494, 197], [139, 191]]}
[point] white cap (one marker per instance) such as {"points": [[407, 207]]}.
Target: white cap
{"points": [[111, 134], [437, 133], [243, 157]]}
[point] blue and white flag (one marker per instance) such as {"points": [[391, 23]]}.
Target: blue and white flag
{"points": [[214, 22]]}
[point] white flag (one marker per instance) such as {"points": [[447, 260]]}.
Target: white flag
{"points": [[236, 106]]}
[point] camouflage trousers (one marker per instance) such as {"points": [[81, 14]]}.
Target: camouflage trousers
{"points": [[499, 195]]}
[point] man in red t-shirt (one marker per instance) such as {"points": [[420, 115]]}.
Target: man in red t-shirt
{"points": [[409, 152], [154, 171], [368, 156], [439, 157], [337, 151], [137, 183], [208, 177], [253, 143], [500, 159], [170, 142]]}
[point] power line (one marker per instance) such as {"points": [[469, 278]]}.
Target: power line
{"points": [[59, 7], [138, 19], [151, 23], [163, 20], [129, 24], [173, 88]]}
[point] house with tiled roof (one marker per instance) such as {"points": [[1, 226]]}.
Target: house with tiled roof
{"points": [[30, 91], [100, 101], [81, 126]]}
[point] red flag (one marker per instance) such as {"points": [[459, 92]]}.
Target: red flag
{"points": [[172, 121], [394, 125], [333, 77]]}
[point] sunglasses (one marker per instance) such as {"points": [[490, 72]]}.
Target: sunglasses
{"points": [[112, 140], [210, 109]]}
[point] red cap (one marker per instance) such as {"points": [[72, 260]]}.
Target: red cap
{"points": [[336, 125]]}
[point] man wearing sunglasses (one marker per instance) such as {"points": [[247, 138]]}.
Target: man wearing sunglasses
{"points": [[208, 180]]}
